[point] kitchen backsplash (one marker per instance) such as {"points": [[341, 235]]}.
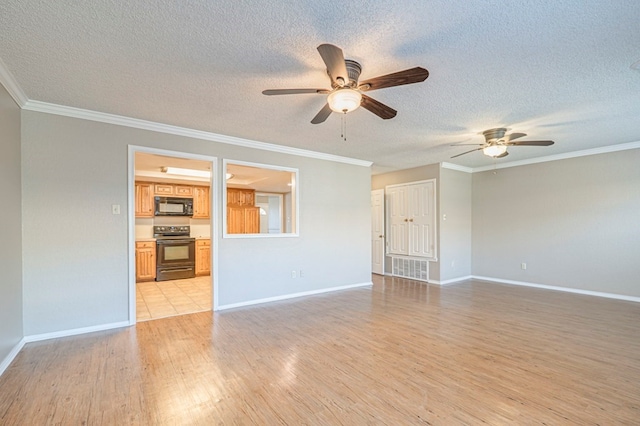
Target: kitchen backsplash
{"points": [[200, 228]]}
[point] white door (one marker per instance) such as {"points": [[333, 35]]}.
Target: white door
{"points": [[398, 221], [421, 220], [377, 231]]}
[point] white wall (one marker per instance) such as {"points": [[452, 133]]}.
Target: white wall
{"points": [[11, 223], [454, 232], [76, 251], [574, 222]]}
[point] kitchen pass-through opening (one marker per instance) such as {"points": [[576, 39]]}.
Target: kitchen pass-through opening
{"points": [[172, 234]]}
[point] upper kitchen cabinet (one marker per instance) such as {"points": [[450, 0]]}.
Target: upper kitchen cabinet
{"points": [[144, 199], [201, 202], [167, 189]]}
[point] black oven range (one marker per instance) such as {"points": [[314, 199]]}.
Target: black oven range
{"points": [[175, 253]]}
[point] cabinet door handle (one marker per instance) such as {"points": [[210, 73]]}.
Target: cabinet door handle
{"points": [[380, 236], [410, 220], [406, 220]]}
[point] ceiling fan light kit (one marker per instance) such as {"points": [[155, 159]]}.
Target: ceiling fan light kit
{"points": [[346, 94], [494, 150], [344, 100], [497, 141]]}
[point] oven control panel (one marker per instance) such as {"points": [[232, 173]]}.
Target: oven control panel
{"points": [[167, 231]]}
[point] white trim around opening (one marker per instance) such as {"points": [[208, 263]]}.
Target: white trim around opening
{"points": [[213, 208]]}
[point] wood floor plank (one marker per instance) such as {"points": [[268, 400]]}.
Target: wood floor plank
{"points": [[402, 352]]}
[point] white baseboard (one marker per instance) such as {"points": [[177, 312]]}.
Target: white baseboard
{"points": [[451, 281], [291, 296], [75, 331], [556, 288], [11, 355]]}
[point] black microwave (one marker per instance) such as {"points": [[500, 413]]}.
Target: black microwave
{"points": [[173, 206]]}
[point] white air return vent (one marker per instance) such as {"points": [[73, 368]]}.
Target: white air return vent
{"points": [[417, 269]]}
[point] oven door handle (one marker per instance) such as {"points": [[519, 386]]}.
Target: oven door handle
{"points": [[174, 242], [176, 270]]}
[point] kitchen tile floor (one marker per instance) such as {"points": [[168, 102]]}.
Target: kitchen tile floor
{"points": [[169, 298]]}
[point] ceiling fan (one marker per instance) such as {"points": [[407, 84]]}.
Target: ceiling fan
{"points": [[497, 141], [346, 93]]}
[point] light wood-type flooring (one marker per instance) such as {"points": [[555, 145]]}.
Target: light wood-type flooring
{"points": [[400, 353], [175, 297]]}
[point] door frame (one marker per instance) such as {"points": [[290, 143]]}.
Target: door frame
{"points": [[213, 209], [383, 232]]}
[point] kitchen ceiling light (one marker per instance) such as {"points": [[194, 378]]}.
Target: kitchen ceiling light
{"points": [[494, 150], [344, 100], [186, 172]]}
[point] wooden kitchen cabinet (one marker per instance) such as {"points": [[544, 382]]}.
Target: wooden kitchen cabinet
{"points": [[163, 189], [183, 191], [144, 199], [243, 217], [145, 260], [203, 257], [173, 190], [243, 220], [241, 197], [201, 202]]}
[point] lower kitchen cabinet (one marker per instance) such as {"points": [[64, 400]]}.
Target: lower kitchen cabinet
{"points": [[203, 257], [145, 260]]}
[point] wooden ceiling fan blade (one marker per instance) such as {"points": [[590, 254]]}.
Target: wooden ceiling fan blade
{"points": [[473, 150], [514, 136], [272, 92], [321, 116], [334, 60], [410, 76], [531, 143], [378, 108], [467, 144]]}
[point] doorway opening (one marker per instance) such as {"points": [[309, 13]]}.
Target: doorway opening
{"points": [[378, 246], [172, 234]]}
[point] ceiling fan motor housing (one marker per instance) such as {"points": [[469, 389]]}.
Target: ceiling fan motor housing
{"points": [[353, 69], [494, 134]]}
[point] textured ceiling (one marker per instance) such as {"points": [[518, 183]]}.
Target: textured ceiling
{"points": [[558, 70]]}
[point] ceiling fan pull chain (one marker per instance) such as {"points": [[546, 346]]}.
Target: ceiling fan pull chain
{"points": [[344, 126]]}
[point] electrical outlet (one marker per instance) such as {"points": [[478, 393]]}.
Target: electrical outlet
{"points": [[115, 209], [300, 273], [293, 274], [523, 266]]}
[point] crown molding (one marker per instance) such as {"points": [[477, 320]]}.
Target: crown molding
{"points": [[452, 166], [567, 155], [120, 120], [9, 82]]}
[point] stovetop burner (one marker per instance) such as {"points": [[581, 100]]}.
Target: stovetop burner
{"points": [[171, 232]]}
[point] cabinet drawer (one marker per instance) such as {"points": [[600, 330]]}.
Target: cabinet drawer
{"points": [[145, 244], [203, 243]]}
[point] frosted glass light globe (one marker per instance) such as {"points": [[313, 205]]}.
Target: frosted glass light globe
{"points": [[344, 100], [494, 150]]}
